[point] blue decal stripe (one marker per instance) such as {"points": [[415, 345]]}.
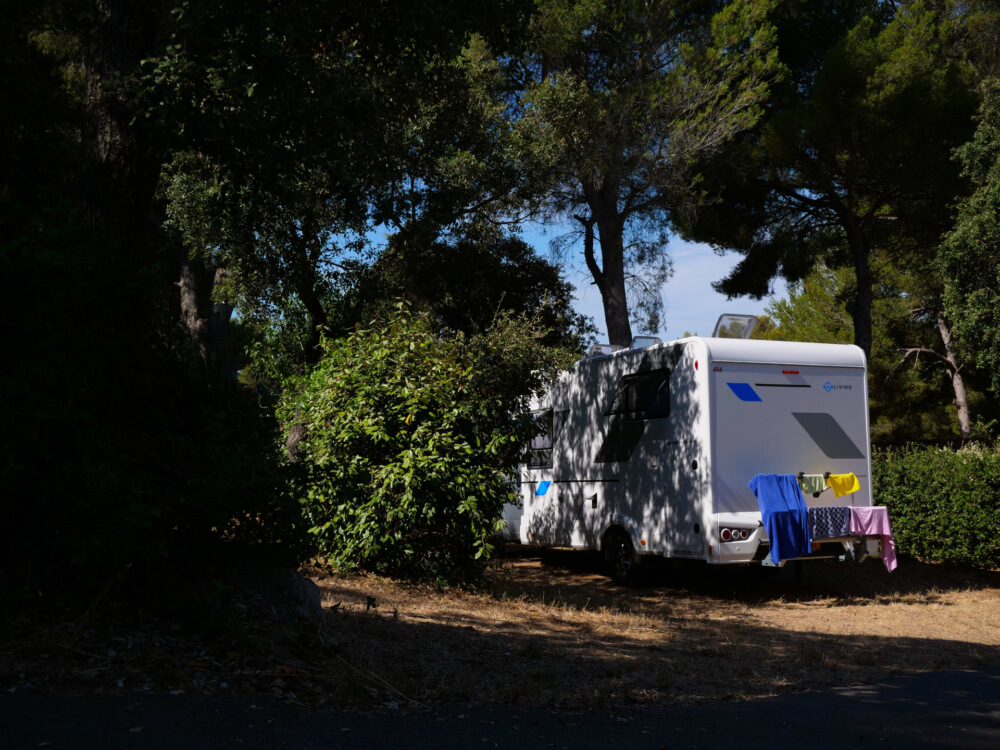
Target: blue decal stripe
{"points": [[543, 487], [744, 392]]}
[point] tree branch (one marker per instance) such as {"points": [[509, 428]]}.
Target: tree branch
{"points": [[588, 249]]}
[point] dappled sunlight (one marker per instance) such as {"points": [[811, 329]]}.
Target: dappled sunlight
{"points": [[561, 634], [594, 446]]}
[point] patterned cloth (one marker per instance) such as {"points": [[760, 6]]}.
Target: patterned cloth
{"points": [[829, 523]]}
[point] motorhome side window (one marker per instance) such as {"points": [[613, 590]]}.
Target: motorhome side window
{"points": [[643, 395], [540, 447]]}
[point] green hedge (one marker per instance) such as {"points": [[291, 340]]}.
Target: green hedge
{"points": [[944, 504]]}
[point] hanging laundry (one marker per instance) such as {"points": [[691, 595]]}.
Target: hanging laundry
{"points": [[812, 484], [875, 522], [843, 484], [829, 523], [783, 511]]}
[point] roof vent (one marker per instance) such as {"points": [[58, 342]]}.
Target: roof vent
{"points": [[641, 342], [734, 326]]}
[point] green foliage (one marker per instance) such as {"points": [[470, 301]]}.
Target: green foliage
{"points": [[944, 504], [347, 118], [284, 132], [982, 42], [814, 310], [464, 285], [122, 468], [411, 440], [910, 396], [122, 462], [970, 255], [625, 96], [853, 157], [70, 514]]}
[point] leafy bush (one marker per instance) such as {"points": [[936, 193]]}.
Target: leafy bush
{"points": [[944, 504], [123, 470], [411, 442]]}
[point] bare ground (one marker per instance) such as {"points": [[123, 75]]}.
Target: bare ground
{"points": [[561, 634], [547, 631]]}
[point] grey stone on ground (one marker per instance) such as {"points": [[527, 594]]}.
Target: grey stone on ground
{"points": [[284, 593]]}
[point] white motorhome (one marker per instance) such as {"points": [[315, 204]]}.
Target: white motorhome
{"points": [[648, 451]]}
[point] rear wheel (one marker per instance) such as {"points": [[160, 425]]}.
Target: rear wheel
{"points": [[620, 558]]}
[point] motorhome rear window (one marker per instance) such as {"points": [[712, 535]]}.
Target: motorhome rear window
{"points": [[643, 395], [540, 447]]}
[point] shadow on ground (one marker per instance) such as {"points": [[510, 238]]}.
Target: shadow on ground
{"points": [[555, 632], [577, 572], [953, 710], [549, 631]]}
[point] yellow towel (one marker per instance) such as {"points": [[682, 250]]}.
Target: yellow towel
{"points": [[843, 484]]}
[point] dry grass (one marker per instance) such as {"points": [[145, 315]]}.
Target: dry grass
{"points": [[546, 631], [561, 634]]}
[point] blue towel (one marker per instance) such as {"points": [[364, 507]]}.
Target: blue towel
{"points": [[783, 511]]}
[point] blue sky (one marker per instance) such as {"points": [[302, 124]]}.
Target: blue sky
{"points": [[691, 303]]}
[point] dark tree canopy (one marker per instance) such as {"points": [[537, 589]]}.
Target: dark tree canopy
{"points": [[467, 284], [627, 96], [284, 122], [854, 154], [308, 164]]}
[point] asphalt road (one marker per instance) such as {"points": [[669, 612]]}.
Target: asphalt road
{"points": [[957, 710]]}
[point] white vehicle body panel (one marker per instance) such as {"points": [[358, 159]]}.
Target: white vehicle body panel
{"points": [[737, 408]]}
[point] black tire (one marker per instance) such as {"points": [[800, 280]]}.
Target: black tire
{"points": [[621, 561]]}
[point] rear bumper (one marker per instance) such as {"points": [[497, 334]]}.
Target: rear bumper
{"points": [[756, 547]]}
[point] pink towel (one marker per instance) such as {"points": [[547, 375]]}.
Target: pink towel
{"points": [[875, 522]]}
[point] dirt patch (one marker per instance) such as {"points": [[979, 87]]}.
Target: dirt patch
{"points": [[553, 631], [546, 630]]}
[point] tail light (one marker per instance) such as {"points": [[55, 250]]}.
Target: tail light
{"points": [[734, 535]]}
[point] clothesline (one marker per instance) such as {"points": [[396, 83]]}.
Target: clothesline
{"points": [[790, 524]]}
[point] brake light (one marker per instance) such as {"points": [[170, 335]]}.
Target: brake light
{"points": [[734, 535]]}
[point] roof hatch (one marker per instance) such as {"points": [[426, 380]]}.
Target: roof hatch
{"points": [[734, 326]]}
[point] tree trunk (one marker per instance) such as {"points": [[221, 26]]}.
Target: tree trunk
{"points": [[957, 381], [610, 278], [616, 305], [309, 249], [207, 321], [119, 170], [218, 333], [317, 319], [860, 308]]}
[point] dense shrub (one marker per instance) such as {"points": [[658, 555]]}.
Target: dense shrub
{"points": [[122, 468], [411, 442], [944, 504]]}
